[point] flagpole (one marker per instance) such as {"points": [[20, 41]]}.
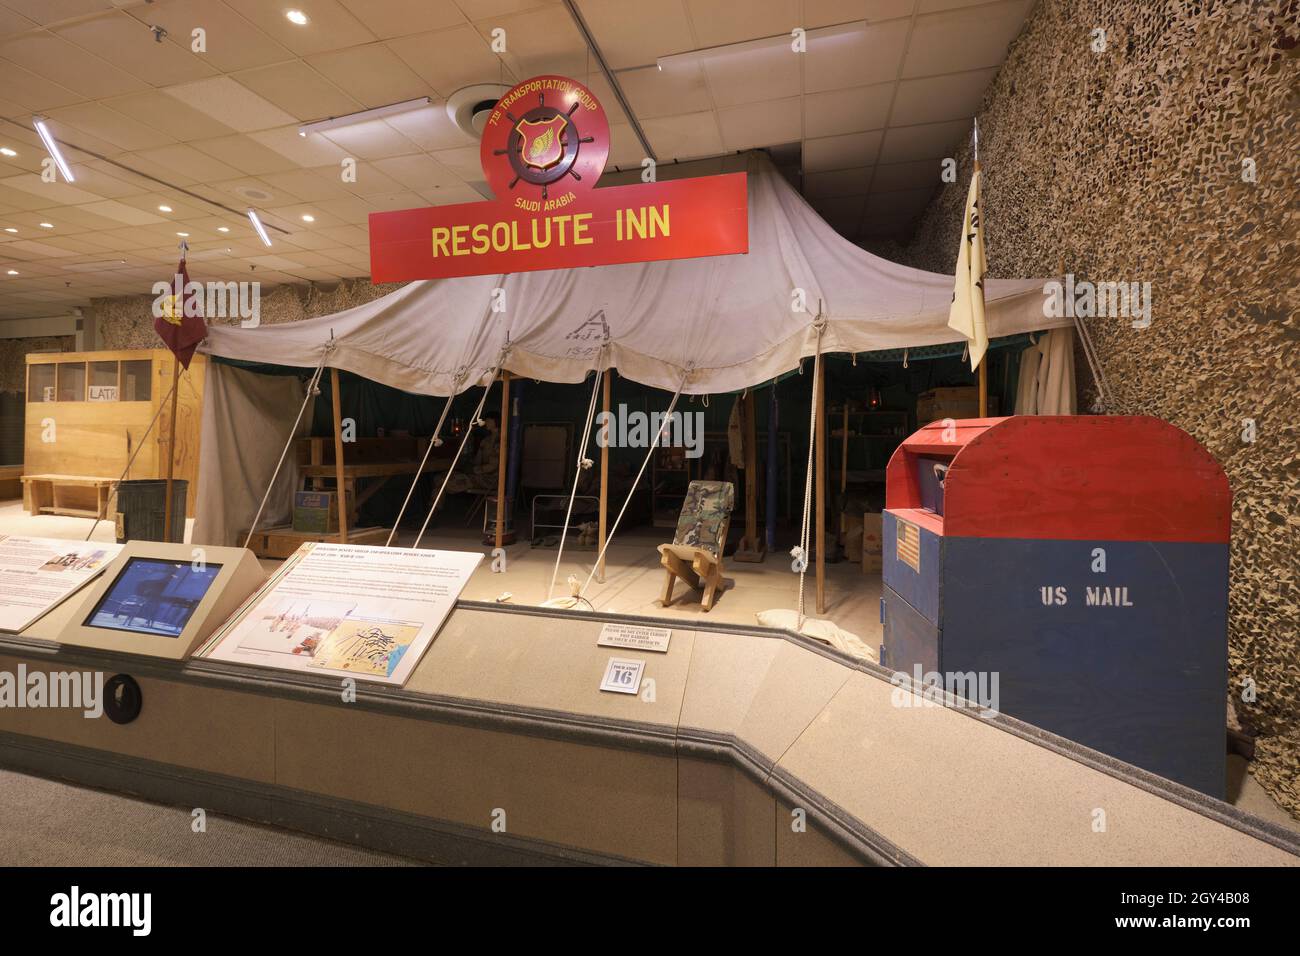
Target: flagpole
{"points": [[171, 423], [983, 366]]}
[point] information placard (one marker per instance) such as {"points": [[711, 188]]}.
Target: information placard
{"points": [[351, 610], [622, 676], [635, 636], [37, 574]]}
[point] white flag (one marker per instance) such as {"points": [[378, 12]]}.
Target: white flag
{"points": [[967, 312]]}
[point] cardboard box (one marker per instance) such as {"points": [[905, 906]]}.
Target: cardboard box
{"points": [[316, 512], [957, 403], [872, 542]]}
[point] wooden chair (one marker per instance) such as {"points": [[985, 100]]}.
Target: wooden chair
{"points": [[695, 555]]}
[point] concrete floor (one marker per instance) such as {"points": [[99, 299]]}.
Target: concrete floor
{"points": [[633, 584]]}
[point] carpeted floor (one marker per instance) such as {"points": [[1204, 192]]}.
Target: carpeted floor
{"points": [[47, 823]]}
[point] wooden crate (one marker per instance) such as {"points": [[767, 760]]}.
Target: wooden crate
{"points": [[280, 542], [83, 416]]}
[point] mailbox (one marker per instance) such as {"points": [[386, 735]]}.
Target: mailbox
{"points": [[1078, 565]]}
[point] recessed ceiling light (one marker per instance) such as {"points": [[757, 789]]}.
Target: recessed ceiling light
{"points": [[183, 235], [308, 218], [223, 228], [10, 229], [296, 16], [164, 208], [13, 272], [6, 151], [47, 225]]}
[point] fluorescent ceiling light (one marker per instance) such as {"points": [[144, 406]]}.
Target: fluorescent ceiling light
{"points": [[52, 147], [257, 224], [379, 112], [763, 44], [296, 16], [6, 151]]}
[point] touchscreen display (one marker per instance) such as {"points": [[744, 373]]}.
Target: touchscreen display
{"points": [[153, 597]]}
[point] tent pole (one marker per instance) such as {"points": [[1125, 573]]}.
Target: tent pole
{"points": [[171, 450], [338, 457], [820, 488], [503, 433], [983, 370], [844, 452], [751, 547], [604, 484], [771, 467]]}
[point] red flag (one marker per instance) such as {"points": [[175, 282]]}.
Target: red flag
{"points": [[179, 316]]}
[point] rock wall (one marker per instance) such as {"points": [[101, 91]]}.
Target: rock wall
{"points": [[1165, 151]]}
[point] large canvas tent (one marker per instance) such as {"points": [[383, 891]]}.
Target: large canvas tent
{"points": [[700, 326]]}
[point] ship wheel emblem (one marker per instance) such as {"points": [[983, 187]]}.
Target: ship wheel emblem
{"points": [[543, 145]]}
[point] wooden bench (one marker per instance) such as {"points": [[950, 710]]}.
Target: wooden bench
{"points": [[10, 481], [78, 496]]}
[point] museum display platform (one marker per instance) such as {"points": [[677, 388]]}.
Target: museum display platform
{"points": [[743, 746]]}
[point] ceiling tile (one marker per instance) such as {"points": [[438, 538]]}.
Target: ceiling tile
{"points": [[128, 44], [654, 92], [449, 59], [718, 22], [395, 18], [233, 43], [761, 124], [965, 39], [841, 152], [330, 26], [106, 125], [858, 58], [374, 139], [637, 34], [938, 98], [823, 13], [299, 90], [847, 111], [231, 104], [372, 74], [69, 65], [919, 175], [684, 137], [757, 75], [840, 182], [931, 141]]}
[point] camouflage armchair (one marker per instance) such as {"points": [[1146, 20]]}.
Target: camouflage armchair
{"points": [[695, 555]]}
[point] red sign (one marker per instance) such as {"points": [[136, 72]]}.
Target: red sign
{"points": [[544, 147]]}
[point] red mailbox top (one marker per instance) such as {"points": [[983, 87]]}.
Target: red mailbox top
{"points": [[1104, 477]]}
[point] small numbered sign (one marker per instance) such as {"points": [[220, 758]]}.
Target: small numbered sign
{"points": [[622, 676]]}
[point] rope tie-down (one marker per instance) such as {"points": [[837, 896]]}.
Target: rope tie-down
{"points": [[477, 419], [584, 464]]}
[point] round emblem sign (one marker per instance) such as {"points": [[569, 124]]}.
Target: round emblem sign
{"points": [[546, 138]]}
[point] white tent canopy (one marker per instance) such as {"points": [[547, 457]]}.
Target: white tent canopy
{"points": [[730, 321]]}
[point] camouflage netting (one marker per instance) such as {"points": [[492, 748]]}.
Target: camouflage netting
{"points": [[1133, 163], [126, 323]]}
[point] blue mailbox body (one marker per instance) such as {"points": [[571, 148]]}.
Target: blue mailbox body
{"points": [[1080, 566]]}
